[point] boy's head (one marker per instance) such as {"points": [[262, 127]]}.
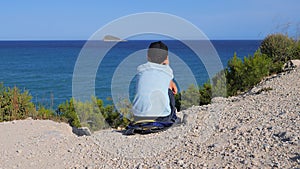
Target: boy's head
{"points": [[157, 52]]}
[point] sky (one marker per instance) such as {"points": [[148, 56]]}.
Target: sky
{"points": [[79, 20]]}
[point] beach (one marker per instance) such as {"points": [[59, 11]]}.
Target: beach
{"points": [[257, 129]]}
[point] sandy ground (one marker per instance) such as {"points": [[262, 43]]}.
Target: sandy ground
{"points": [[259, 129]]}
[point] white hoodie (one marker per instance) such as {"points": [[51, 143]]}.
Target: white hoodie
{"points": [[152, 99]]}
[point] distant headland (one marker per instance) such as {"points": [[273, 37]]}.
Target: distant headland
{"points": [[110, 38]]}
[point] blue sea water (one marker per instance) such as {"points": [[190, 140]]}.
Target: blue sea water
{"points": [[45, 68]]}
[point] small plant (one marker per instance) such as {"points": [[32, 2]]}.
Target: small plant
{"points": [[189, 97], [126, 114], [44, 113], [178, 101], [205, 94], [15, 104], [218, 88], [67, 113]]}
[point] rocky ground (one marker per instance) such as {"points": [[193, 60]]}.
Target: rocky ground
{"points": [[259, 129]]}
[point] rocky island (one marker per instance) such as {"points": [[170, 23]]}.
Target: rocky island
{"points": [[110, 38]]}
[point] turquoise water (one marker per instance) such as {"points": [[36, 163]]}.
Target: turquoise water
{"points": [[45, 68]]}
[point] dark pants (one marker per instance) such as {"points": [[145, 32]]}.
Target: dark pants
{"points": [[170, 118]]}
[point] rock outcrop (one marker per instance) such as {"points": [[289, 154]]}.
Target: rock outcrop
{"points": [[110, 38]]}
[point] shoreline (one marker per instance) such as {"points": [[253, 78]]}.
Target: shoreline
{"points": [[259, 129]]}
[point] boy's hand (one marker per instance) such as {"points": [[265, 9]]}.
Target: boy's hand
{"points": [[173, 87]]}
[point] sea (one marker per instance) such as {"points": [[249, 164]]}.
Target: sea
{"points": [[46, 68]]}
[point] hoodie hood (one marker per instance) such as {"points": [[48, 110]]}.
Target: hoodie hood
{"points": [[154, 66]]}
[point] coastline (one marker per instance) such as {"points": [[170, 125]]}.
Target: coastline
{"points": [[37, 62], [259, 129]]}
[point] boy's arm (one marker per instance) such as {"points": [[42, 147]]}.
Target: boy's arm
{"points": [[173, 87]]}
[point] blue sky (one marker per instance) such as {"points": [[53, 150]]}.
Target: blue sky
{"points": [[78, 19]]}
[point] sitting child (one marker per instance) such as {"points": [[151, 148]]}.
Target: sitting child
{"points": [[154, 99]]}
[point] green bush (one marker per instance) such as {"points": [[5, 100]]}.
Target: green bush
{"points": [[255, 69], [242, 75], [67, 113], [279, 47], [112, 117], [296, 54], [193, 96], [218, 88], [178, 101], [205, 94], [189, 97], [92, 114], [125, 115], [234, 74], [44, 113], [15, 104]]}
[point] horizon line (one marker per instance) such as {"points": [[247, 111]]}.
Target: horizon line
{"points": [[120, 41]]}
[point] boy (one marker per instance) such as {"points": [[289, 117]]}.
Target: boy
{"points": [[154, 99]]}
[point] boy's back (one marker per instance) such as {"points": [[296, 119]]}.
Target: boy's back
{"points": [[152, 98]]}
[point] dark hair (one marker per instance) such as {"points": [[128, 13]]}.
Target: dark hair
{"points": [[157, 52]]}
